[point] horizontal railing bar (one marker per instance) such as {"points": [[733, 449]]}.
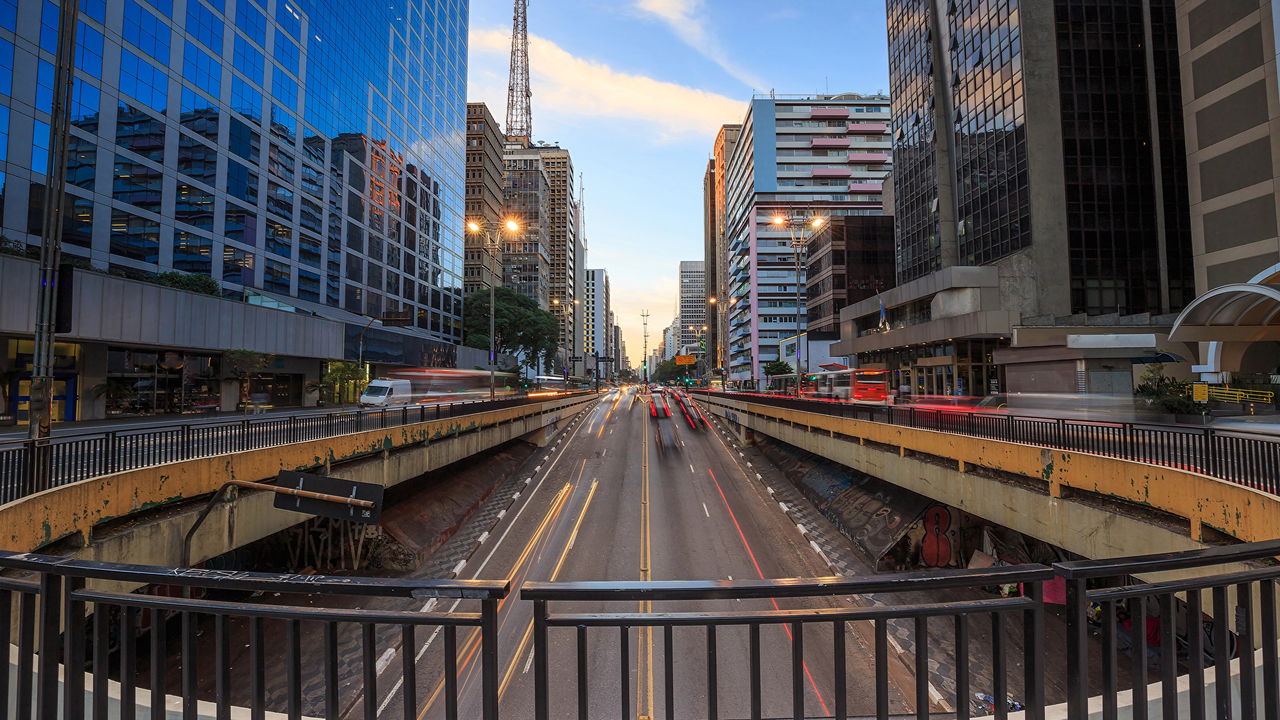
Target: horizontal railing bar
{"points": [[20, 586], [285, 612], [791, 587], [782, 617], [1183, 585], [243, 580], [1185, 559]]}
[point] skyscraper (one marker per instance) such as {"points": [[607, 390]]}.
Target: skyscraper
{"points": [[716, 245], [484, 201], [527, 264], [597, 314], [292, 151], [823, 155], [564, 245], [693, 306]]}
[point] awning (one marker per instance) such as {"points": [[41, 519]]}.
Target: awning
{"points": [[1239, 312]]}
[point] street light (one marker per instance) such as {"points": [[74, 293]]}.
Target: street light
{"points": [[493, 242], [802, 231]]}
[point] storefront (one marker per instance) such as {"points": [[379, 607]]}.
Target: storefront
{"points": [[159, 382], [15, 381], [957, 368]]}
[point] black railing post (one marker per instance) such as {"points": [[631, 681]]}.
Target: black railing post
{"points": [[186, 452], [50, 622], [1034, 655], [540, 679], [1078, 650], [1209, 457], [489, 657], [244, 434], [73, 661]]}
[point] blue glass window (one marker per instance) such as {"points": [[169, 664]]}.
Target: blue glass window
{"points": [[237, 265], [246, 100], [201, 70], [251, 22], [49, 27], [280, 239], [96, 9], [164, 6], [89, 50], [134, 237], [249, 61], [85, 102], [284, 89], [194, 206], [276, 277], [82, 158], [40, 148], [283, 125], [139, 132], [6, 67], [242, 183], [308, 285], [199, 114], [148, 32], [288, 18], [77, 222], [309, 250], [4, 132], [143, 81], [44, 86], [137, 184], [197, 160], [219, 5], [279, 200], [192, 253], [240, 225], [286, 53], [243, 141], [204, 26], [9, 15]]}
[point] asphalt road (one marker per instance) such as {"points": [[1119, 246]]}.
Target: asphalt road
{"points": [[628, 497]]}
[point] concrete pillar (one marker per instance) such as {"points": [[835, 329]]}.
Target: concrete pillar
{"points": [[540, 437], [92, 372]]}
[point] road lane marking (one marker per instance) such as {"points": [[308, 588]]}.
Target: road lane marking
{"points": [[708, 514], [695, 472]]}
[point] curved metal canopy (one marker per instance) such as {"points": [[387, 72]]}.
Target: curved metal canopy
{"points": [[1239, 312]]}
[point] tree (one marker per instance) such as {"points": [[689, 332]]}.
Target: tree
{"points": [[522, 328], [665, 371], [191, 282], [241, 365], [777, 367], [339, 379]]}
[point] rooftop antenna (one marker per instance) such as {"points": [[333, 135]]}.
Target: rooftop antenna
{"points": [[519, 94]]}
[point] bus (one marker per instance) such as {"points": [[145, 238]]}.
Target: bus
{"points": [[544, 384], [421, 386], [866, 387]]}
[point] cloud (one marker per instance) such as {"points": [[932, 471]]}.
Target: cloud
{"points": [[686, 19], [565, 84]]}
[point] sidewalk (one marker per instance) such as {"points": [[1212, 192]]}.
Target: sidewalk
{"points": [[135, 422]]}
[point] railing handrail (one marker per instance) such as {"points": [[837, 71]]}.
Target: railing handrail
{"points": [[661, 590], [1181, 560], [255, 581]]}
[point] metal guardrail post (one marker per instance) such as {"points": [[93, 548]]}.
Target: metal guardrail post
{"points": [[489, 657], [74, 651], [244, 434], [1077, 650], [49, 622], [540, 676]]}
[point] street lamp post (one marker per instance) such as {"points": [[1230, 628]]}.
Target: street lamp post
{"points": [[493, 242], [802, 230]]}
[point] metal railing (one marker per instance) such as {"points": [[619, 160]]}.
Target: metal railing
{"points": [[79, 456], [119, 641], [1239, 395], [1236, 456]]}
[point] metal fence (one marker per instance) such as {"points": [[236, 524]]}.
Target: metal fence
{"points": [[756, 649], [72, 457], [1239, 457]]}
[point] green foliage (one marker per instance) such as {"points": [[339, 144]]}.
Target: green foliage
{"points": [[777, 367], [340, 380], [522, 328], [243, 364], [1166, 394], [191, 282], [667, 370]]}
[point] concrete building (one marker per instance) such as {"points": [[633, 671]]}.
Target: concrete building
{"points": [[276, 153], [1230, 84], [484, 202], [692, 306], [851, 261], [567, 253], [671, 339], [716, 247], [1039, 181], [817, 155], [597, 321], [526, 264]]}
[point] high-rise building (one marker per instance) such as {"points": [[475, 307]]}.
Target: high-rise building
{"points": [[482, 266], [821, 155], [716, 247], [1229, 77], [289, 150], [526, 263], [564, 244], [693, 306], [597, 314], [851, 261], [1039, 180], [671, 339]]}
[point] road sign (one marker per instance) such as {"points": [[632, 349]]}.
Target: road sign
{"points": [[686, 359], [330, 486], [1200, 392]]}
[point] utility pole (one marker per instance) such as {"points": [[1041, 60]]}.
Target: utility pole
{"points": [[644, 318], [51, 246]]}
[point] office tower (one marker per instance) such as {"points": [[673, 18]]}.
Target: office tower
{"points": [[693, 306], [1039, 182], [851, 261], [1229, 78], [716, 247], [597, 330], [820, 155], [289, 150], [526, 265], [564, 244], [482, 266]]}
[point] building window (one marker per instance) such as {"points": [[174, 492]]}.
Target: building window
{"points": [[204, 26], [251, 22], [134, 237], [197, 160], [192, 253], [77, 224], [194, 207], [242, 183], [237, 266], [280, 239], [143, 81], [146, 31], [248, 60], [139, 132], [276, 277], [88, 50], [137, 184], [201, 70], [240, 225]]}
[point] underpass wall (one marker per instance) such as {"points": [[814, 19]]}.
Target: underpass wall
{"points": [[1034, 503]]}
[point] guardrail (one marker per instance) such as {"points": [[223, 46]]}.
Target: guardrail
{"points": [[106, 635], [1238, 457], [1237, 395], [30, 466]]}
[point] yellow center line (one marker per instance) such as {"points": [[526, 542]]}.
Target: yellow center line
{"points": [[644, 651], [511, 668]]}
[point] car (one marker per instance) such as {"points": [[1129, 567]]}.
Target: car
{"points": [[658, 407]]}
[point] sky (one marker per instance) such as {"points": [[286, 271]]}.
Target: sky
{"points": [[637, 89]]}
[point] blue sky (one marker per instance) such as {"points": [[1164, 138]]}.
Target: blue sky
{"points": [[636, 90]]}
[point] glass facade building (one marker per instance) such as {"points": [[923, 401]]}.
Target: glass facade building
{"points": [[309, 152]]}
